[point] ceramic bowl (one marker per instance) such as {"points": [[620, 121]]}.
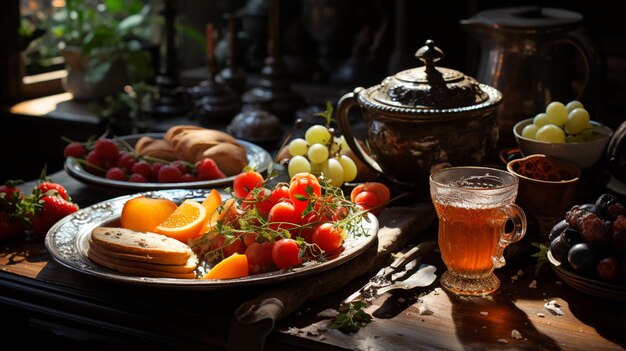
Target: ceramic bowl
{"points": [[547, 187], [586, 285], [584, 155]]}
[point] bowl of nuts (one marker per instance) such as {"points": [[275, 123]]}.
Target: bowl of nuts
{"points": [[565, 132]]}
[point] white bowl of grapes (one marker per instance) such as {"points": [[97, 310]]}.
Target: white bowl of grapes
{"points": [[564, 131]]}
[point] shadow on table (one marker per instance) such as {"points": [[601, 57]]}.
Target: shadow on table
{"points": [[492, 319], [607, 317]]}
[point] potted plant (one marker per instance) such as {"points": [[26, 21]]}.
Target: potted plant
{"points": [[102, 45]]}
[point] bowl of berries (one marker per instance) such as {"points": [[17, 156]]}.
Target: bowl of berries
{"points": [[565, 132], [118, 163], [588, 248]]}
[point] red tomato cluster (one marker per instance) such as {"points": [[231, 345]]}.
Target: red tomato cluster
{"points": [[279, 227]]}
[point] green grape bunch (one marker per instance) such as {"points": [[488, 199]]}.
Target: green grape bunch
{"points": [[561, 123], [322, 153]]}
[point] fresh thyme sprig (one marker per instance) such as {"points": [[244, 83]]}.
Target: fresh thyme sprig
{"points": [[352, 317]]}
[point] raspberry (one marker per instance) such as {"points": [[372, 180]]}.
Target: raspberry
{"points": [[137, 178], [115, 173], [573, 216], [156, 166], [142, 167], [95, 164], [126, 160], [74, 149], [595, 231], [619, 234], [107, 150], [181, 165], [169, 174], [188, 177]]}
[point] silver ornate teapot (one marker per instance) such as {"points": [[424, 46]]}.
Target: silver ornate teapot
{"points": [[422, 119]]}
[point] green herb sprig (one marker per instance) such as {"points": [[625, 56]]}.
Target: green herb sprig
{"points": [[352, 317]]}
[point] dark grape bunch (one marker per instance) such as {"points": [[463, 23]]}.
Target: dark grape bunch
{"points": [[591, 240]]}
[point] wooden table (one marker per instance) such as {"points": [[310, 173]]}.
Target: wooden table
{"points": [[45, 304]]}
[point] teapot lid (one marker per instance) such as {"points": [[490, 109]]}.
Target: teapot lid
{"points": [[429, 87], [529, 17]]}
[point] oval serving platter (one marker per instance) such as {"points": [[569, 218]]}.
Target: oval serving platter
{"points": [[258, 158], [68, 241]]}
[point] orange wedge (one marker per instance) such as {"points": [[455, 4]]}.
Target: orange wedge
{"points": [[144, 214], [234, 266], [212, 201], [227, 213], [184, 223]]}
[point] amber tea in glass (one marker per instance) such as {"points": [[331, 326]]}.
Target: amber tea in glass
{"points": [[473, 205]]}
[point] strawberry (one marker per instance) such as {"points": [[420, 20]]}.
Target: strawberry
{"points": [[50, 211], [10, 227], [50, 188], [207, 169], [10, 194]]}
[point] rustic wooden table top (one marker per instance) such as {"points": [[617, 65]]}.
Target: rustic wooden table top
{"points": [[40, 297]]}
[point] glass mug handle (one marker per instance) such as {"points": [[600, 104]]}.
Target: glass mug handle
{"points": [[518, 217]]}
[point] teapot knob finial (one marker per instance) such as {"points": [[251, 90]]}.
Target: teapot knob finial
{"points": [[429, 54]]}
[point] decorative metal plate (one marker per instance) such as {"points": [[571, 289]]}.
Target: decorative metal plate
{"points": [[258, 158], [68, 241]]}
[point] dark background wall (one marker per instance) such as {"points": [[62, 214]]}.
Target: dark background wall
{"points": [[329, 47]]}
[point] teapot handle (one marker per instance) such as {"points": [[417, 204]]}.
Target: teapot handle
{"points": [[345, 103], [588, 52]]}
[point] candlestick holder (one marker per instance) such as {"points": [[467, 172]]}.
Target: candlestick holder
{"points": [[171, 100], [273, 89], [215, 101], [232, 75]]}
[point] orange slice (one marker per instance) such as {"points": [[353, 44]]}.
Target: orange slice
{"points": [[227, 213], [234, 266], [184, 223], [143, 214], [212, 201]]}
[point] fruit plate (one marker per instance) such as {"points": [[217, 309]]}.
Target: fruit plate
{"points": [[589, 286], [68, 241], [258, 158]]}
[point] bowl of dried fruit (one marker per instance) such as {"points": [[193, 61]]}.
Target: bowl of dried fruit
{"points": [[588, 247]]}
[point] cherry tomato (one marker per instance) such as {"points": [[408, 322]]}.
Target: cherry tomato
{"points": [[380, 189], [303, 188], [286, 253], [259, 257], [260, 200], [280, 193], [284, 215], [368, 200], [246, 181], [308, 223], [219, 243], [328, 236], [249, 238], [371, 196]]}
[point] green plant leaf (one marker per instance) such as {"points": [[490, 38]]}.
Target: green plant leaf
{"points": [[97, 70], [129, 23]]}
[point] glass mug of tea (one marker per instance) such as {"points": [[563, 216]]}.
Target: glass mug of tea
{"points": [[473, 205]]}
